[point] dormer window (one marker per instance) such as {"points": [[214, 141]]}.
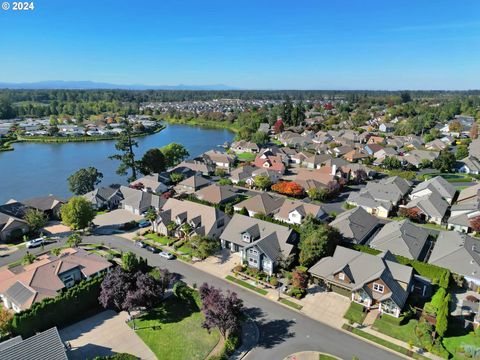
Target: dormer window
{"points": [[378, 288], [246, 237]]}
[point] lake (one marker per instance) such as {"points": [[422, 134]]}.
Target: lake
{"points": [[35, 169]]}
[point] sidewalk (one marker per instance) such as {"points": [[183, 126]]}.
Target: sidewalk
{"points": [[250, 336]]}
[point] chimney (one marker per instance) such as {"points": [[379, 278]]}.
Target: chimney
{"points": [[334, 170]]}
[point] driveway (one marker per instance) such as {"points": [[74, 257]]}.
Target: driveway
{"points": [[325, 306], [116, 218], [219, 265], [104, 334]]}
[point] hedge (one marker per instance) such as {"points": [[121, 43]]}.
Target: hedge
{"points": [[436, 274], [64, 309]]}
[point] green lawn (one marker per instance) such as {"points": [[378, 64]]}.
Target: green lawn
{"points": [[247, 285], [186, 249], [355, 313], [163, 240], [291, 304], [246, 156], [401, 332], [458, 344], [178, 332], [326, 357]]}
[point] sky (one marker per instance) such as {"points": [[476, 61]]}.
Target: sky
{"points": [[249, 44]]}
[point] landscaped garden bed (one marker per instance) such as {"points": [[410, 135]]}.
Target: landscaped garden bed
{"points": [[246, 285]]}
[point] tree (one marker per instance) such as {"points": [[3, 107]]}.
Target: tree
{"points": [[475, 223], [145, 292], [153, 161], [28, 258], [132, 264], [125, 145], [176, 177], [221, 311], [455, 126], [299, 279], [84, 180], [316, 242], [442, 316], [474, 131], [462, 152], [260, 137], [262, 182], [77, 213], [35, 219], [287, 111], [298, 115], [360, 175], [6, 318], [74, 240], [174, 154], [203, 247], [278, 126], [405, 97], [411, 213], [391, 163], [288, 188], [445, 162]]}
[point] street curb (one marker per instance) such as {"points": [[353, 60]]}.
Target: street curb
{"points": [[240, 353]]}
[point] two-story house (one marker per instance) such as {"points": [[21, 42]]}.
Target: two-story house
{"points": [[262, 245], [374, 281]]}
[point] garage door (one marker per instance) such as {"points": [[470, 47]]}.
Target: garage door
{"points": [[340, 290]]}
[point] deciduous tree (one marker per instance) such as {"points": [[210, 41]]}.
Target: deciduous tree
{"points": [[84, 180], [153, 161], [174, 154], [77, 213], [35, 219]]}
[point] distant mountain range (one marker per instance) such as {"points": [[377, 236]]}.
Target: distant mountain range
{"points": [[77, 85]]}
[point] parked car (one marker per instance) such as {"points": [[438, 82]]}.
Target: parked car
{"points": [[167, 255], [140, 244], [35, 242], [144, 224], [152, 249]]}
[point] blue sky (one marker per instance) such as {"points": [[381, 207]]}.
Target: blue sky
{"points": [[258, 44]]}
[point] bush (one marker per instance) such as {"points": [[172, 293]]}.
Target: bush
{"points": [[66, 308], [119, 356], [296, 292], [274, 281], [238, 268]]}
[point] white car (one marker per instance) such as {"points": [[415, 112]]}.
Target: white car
{"points": [[166, 255], [35, 242]]}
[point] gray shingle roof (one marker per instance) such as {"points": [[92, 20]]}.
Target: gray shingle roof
{"points": [[401, 238], [438, 184], [46, 345], [19, 293], [355, 224]]}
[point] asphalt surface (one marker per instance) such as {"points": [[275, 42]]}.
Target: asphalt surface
{"points": [[282, 331]]}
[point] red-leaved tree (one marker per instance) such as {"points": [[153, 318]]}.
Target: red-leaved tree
{"points": [[221, 311], [475, 223], [288, 188], [278, 126]]}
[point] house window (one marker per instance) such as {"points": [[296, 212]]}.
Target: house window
{"points": [[246, 237], [253, 251], [341, 276], [252, 261], [378, 287]]}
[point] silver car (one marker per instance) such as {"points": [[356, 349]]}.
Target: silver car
{"points": [[166, 255]]}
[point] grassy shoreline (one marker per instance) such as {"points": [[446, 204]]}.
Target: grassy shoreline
{"points": [[7, 146], [202, 123]]}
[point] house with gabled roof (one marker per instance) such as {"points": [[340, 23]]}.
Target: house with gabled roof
{"points": [[217, 194], [187, 218], [138, 202], [244, 146], [23, 285], [370, 280], [435, 185], [430, 208], [295, 211], [262, 245], [462, 215], [263, 203], [356, 225], [460, 253], [192, 184], [150, 183], [104, 197], [49, 205], [401, 238], [469, 165]]}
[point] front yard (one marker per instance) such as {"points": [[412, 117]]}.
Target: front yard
{"points": [[163, 240], [174, 330], [355, 313], [246, 156], [463, 347]]}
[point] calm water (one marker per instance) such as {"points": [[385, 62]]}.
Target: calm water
{"points": [[42, 169]]}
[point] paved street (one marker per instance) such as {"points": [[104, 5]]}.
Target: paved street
{"points": [[282, 331]]}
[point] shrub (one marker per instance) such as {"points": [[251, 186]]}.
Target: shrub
{"points": [[64, 309], [274, 281], [238, 268]]}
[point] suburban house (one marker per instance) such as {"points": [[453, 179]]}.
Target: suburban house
{"points": [[49, 205], [469, 165], [181, 218], [469, 194], [43, 345], [356, 225], [462, 215], [12, 224], [295, 211], [315, 161], [218, 159], [192, 167], [261, 244], [386, 127], [401, 238], [355, 155], [314, 179], [192, 184], [150, 183], [217, 194], [371, 149], [104, 198], [460, 253], [262, 203], [138, 202], [436, 144], [374, 281], [272, 162], [419, 157], [244, 146], [430, 208], [23, 285], [435, 185]]}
